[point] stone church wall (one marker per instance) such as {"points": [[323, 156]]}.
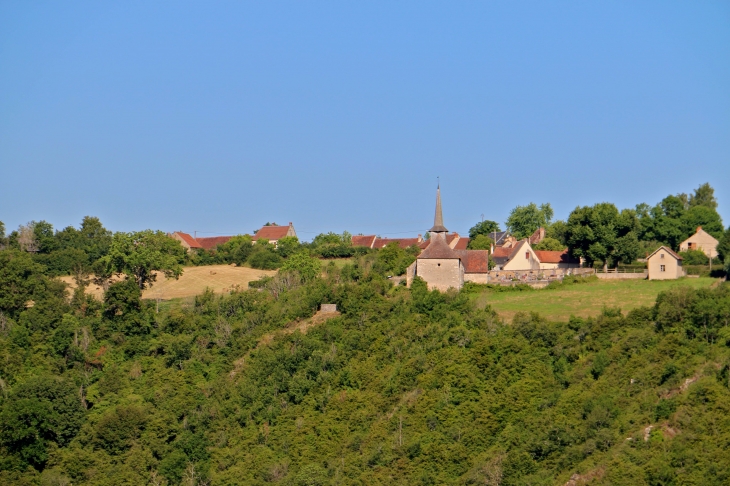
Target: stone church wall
{"points": [[441, 274]]}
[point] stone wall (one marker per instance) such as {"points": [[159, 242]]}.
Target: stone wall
{"points": [[441, 274], [621, 276]]}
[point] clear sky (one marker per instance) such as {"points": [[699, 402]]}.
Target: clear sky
{"points": [[221, 116]]}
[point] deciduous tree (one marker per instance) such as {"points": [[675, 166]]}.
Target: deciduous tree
{"points": [[525, 220], [139, 255]]}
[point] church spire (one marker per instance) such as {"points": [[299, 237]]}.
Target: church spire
{"points": [[438, 219]]}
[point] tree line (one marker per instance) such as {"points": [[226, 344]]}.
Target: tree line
{"points": [[603, 233]]}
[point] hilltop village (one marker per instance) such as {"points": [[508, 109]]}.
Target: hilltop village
{"points": [[447, 260]]}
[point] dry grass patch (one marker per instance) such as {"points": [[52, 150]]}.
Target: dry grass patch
{"points": [[194, 280]]}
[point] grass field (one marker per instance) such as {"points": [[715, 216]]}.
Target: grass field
{"points": [[583, 300], [194, 280]]}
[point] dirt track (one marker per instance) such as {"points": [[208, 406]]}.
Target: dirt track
{"points": [[194, 280]]}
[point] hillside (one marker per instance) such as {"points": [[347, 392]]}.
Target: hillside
{"points": [[404, 387]]}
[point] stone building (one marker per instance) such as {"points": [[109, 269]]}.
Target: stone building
{"points": [[701, 240], [274, 233], [442, 266], [664, 264]]}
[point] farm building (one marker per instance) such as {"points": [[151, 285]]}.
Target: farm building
{"points": [[701, 240], [664, 264], [274, 233]]}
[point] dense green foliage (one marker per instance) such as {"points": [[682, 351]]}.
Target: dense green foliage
{"points": [[480, 242], [486, 228], [550, 244], [525, 220], [602, 233], [407, 386]]}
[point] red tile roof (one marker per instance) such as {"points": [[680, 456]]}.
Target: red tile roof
{"points": [[402, 242], [502, 252], [211, 242], [462, 244], [475, 261], [545, 256], [361, 240], [271, 232], [189, 240]]}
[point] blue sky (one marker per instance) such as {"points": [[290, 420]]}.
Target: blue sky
{"points": [[221, 116]]}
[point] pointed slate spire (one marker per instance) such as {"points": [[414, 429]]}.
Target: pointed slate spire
{"points": [[438, 219]]}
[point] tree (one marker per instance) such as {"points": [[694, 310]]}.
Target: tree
{"points": [[702, 216], [703, 196], [2, 235], [556, 231], [42, 410], [486, 228], [287, 246], [305, 265], [263, 256], [723, 246], [26, 238], [140, 254], [550, 244], [601, 232], [44, 236], [480, 242], [525, 220]]}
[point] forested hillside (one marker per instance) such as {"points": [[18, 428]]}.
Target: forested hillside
{"points": [[406, 386]]}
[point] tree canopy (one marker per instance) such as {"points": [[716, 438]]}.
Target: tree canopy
{"points": [[486, 228], [523, 221], [140, 254], [602, 233]]}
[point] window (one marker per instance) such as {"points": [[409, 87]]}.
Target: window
{"points": [[527, 255], [661, 255], [438, 264], [662, 268]]}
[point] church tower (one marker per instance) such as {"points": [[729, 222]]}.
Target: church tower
{"points": [[438, 228]]}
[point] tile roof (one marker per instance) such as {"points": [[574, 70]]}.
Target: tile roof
{"points": [[402, 242], [462, 244], [545, 256], [537, 236], [361, 240], [189, 240], [438, 249], [474, 261], [271, 232], [668, 250], [211, 242]]}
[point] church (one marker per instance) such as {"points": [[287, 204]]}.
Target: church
{"points": [[443, 267]]}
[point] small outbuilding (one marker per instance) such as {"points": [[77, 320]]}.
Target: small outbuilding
{"points": [[664, 264]]}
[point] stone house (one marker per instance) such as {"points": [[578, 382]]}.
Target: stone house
{"points": [[274, 233], [522, 258], [664, 264], [187, 241], [701, 240]]}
